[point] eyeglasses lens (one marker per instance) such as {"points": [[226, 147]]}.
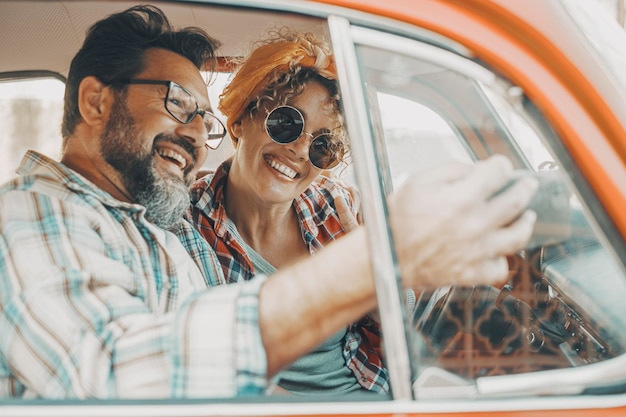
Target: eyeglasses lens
{"points": [[181, 104], [215, 128], [214, 142]]}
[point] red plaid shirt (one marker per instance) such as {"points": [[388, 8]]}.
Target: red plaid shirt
{"points": [[319, 224]]}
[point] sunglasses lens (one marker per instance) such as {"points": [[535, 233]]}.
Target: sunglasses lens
{"points": [[284, 124], [325, 152]]}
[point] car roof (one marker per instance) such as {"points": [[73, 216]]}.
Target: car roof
{"points": [[45, 35]]}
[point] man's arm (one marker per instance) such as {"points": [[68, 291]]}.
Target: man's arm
{"points": [[447, 230], [93, 309]]}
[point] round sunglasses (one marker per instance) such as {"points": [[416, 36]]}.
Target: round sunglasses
{"points": [[285, 124]]}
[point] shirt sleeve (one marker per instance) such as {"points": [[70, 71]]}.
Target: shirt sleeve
{"points": [[199, 354], [94, 305]]}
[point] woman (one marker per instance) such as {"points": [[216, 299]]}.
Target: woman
{"points": [[268, 206]]}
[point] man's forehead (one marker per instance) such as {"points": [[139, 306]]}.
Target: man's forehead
{"points": [[170, 66]]}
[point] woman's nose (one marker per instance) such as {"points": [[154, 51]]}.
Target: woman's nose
{"points": [[300, 146]]}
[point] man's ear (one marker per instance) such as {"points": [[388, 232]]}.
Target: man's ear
{"points": [[94, 101]]}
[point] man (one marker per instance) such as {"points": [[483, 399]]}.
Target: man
{"points": [[100, 299]]}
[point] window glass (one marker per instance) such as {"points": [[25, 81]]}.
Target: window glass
{"points": [[416, 136], [603, 33], [216, 156], [30, 116], [31, 111], [560, 307]]}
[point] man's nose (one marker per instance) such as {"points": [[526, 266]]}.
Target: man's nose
{"points": [[195, 131]]}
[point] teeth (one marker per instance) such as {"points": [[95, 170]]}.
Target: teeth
{"points": [[168, 153], [282, 169]]}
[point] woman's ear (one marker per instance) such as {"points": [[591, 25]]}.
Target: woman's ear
{"points": [[94, 101], [236, 132]]}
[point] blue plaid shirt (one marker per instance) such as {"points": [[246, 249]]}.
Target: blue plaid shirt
{"points": [[97, 302]]}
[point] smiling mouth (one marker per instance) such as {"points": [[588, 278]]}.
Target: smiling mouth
{"points": [[285, 170], [173, 157]]}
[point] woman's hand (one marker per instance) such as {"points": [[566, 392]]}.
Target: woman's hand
{"points": [[348, 220]]}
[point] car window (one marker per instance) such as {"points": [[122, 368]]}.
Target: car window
{"points": [[603, 33], [560, 307], [416, 136], [217, 82], [31, 110], [30, 116]]}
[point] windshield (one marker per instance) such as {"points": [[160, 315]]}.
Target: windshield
{"points": [[603, 32]]}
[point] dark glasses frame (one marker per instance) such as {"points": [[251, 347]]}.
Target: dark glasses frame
{"points": [[285, 124], [216, 131]]}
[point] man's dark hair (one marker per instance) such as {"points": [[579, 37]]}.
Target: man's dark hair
{"points": [[115, 46]]}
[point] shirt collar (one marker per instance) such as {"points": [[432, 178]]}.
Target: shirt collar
{"points": [[35, 163]]}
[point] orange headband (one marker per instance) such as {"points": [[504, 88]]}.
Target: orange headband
{"points": [[252, 76]]}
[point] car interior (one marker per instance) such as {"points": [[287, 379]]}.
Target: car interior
{"points": [[549, 315], [39, 47]]}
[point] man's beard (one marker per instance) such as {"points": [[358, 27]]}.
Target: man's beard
{"points": [[165, 196]]}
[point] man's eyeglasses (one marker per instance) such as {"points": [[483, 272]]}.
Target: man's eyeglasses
{"points": [[285, 124], [183, 107]]}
